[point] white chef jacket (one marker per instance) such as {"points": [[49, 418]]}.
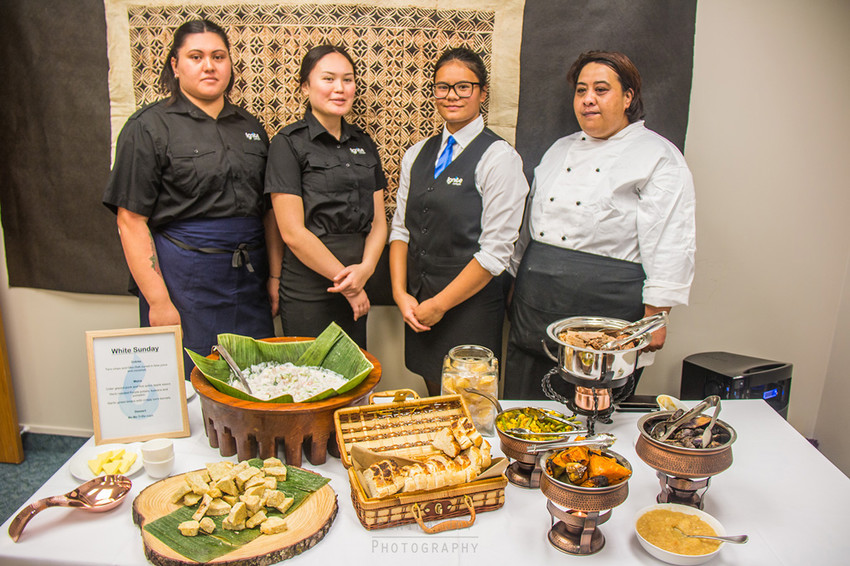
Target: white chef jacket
{"points": [[500, 182], [629, 197]]}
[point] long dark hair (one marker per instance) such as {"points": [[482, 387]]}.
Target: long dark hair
{"points": [[167, 81], [626, 72]]}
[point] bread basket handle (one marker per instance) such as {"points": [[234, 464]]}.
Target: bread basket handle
{"points": [[398, 395], [451, 524]]}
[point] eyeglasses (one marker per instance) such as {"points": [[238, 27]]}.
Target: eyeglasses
{"points": [[462, 89]]}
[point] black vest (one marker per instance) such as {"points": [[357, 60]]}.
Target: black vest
{"points": [[443, 216]]}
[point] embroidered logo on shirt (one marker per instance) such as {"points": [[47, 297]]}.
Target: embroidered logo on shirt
{"points": [[455, 181], [252, 136], [357, 150]]}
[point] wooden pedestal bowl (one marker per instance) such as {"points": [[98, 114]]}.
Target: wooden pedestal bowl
{"points": [[252, 429]]}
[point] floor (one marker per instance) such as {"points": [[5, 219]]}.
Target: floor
{"points": [[43, 455]]}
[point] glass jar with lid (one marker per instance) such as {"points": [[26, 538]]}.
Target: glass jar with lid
{"points": [[478, 368]]}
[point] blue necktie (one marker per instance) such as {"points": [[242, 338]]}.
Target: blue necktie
{"points": [[445, 157]]}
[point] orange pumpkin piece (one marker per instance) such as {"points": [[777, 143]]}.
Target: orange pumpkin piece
{"points": [[608, 467], [577, 454]]}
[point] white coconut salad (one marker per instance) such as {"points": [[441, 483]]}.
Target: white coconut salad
{"points": [[269, 380]]}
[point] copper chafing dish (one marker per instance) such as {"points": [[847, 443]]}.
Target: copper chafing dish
{"points": [[680, 461], [524, 472], [578, 511]]}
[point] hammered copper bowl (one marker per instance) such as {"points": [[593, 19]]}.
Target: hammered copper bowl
{"points": [[586, 499], [678, 461], [595, 365], [519, 448], [253, 429]]}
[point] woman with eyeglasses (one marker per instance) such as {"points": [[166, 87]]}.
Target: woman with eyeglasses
{"points": [[327, 185], [459, 209]]}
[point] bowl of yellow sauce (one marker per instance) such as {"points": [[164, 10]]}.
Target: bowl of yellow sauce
{"points": [[661, 528]]}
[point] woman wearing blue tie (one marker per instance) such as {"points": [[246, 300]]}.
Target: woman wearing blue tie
{"points": [[459, 207]]}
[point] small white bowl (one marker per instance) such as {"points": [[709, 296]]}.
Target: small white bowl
{"points": [[158, 449], [672, 557], [159, 469]]}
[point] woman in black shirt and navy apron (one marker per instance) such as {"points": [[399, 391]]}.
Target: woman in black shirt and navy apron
{"points": [[459, 208], [327, 189], [187, 188]]}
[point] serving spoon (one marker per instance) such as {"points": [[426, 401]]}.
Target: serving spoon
{"points": [[96, 495], [734, 539], [233, 367]]}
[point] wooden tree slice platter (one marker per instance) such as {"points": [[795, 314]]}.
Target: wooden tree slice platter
{"points": [[307, 525]]}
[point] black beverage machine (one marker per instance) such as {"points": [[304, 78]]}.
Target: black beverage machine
{"points": [[733, 376]]}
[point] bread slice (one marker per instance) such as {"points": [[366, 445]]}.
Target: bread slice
{"points": [[470, 431], [459, 432], [383, 478], [446, 443]]}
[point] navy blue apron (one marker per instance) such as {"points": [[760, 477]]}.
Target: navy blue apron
{"points": [[216, 270], [554, 283]]}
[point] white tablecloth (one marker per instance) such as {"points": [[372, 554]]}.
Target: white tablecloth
{"points": [[780, 490]]}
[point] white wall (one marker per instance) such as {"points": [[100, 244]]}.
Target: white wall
{"points": [[767, 145]]}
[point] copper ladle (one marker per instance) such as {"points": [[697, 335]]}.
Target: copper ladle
{"points": [[96, 495]]}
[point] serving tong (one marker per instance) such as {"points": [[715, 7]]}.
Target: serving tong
{"points": [[232, 365], [636, 330], [602, 440], [668, 428]]}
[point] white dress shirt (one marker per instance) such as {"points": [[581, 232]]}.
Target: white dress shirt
{"points": [[629, 197], [500, 182]]}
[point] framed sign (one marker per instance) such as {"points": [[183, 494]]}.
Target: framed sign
{"points": [[136, 383]]}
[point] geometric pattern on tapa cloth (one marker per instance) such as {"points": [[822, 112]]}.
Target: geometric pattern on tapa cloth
{"points": [[394, 49]]}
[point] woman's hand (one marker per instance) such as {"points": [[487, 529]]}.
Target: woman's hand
{"points": [[660, 335], [273, 289], [163, 314], [429, 312], [407, 304], [359, 303], [351, 279]]}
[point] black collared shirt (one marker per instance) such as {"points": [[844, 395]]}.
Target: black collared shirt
{"points": [[175, 162], [336, 179]]}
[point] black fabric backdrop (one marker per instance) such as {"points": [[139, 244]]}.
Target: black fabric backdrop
{"points": [[55, 133]]}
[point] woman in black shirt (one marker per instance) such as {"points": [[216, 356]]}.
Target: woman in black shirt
{"points": [[187, 188], [326, 184]]}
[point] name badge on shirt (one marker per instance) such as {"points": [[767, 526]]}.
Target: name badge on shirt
{"points": [[454, 181], [357, 150], [252, 136]]}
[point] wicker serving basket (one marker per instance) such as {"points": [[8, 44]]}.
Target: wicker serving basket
{"points": [[405, 428]]}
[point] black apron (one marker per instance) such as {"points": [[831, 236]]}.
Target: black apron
{"points": [[306, 306], [443, 218], [216, 271], [554, 283]]}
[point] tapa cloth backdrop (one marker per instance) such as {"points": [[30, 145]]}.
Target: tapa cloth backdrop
{"points": [[56, 85]]}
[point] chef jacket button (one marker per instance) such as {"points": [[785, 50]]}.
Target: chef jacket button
{"points": [[426, 209], [597, 169], [430, 189], [338, 146], [551, 199], [563, 238], [424, 229], [583, 138], [541, 234], [569, 169], [578, 203], [422, 252], [348, 164], [196, 151]]}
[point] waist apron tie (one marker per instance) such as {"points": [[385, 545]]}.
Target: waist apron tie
{"points": [[554, 283], [216, 271]]}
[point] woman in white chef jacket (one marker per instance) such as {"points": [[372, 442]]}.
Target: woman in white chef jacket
{"points": [[609, 225]]}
